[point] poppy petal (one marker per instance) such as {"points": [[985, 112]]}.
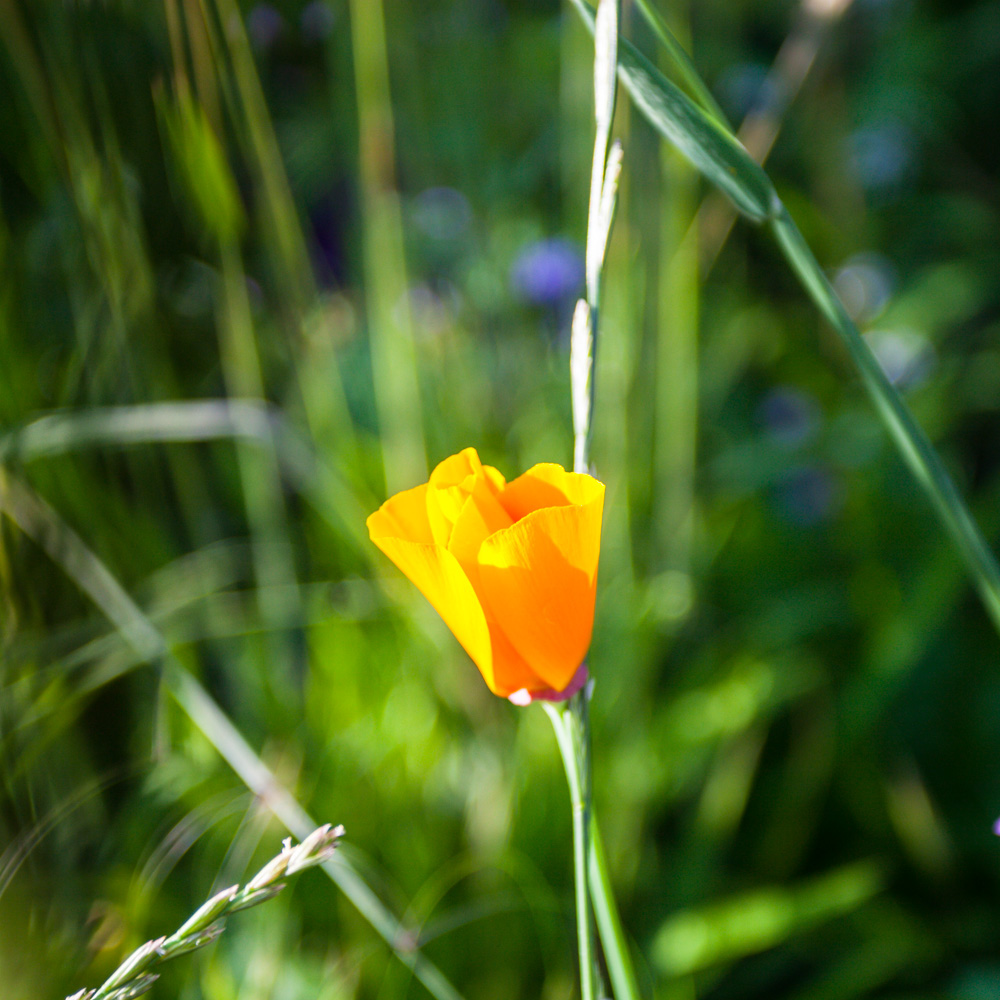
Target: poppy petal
{"points": [[480, 517], [403, 516], [545, 485], [454, 469], [511, 671], [444, 504], [538, 581], [438, 576]]}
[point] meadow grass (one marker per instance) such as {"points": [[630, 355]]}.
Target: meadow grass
{"points": [[256, 273]]}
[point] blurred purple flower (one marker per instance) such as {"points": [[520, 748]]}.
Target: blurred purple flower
{"points": [[265, 25], [881, 155], [906, 357], [316, 21], [548, 272], [808, 495], [790, 416], [865, 284], [742, 87], [442, 213]]}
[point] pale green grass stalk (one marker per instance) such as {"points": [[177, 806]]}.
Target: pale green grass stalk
{"points": [[569, 720], [42, 524], [677, 307], [259, 474], [390, 325], [135, 975]]}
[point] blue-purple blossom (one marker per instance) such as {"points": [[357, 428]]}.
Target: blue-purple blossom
{"points": [[790, 416], [808, 495], [548, 273], [265, 25], [316, 21]]}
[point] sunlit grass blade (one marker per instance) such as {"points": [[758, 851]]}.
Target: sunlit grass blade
{"points": [[65, 547], [681, 60], [199, 420], [743, 925], [709, 146], [387, 295]]}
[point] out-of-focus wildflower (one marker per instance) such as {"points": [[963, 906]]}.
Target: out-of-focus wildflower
{"points": [[510, 567], [316, 20], [548, 273], [865, 284], [906, 356], [442, 213], [882, 156], [441, 220], [265, 26], [741, 88], [808, 495], [790, 416]]}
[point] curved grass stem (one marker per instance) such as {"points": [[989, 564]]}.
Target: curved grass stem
{"points": [[570, 722]]}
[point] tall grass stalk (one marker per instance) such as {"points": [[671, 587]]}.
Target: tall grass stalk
{"points": [[390, 325]]}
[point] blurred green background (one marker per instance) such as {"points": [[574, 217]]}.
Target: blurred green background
{"points": [[262, 264]]}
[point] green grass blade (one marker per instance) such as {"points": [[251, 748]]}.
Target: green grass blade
{"points": [[705, 142], [693, 940], [682, 62]]}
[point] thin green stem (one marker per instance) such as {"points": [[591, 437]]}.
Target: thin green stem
{"points": [[910, 439], [609, 924], [569, 723]]}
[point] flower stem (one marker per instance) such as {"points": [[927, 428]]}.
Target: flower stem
{"points": [[609, 924], [570, 720]]}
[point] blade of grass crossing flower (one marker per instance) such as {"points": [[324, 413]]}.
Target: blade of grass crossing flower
{"points": [[909, 437], [41, 523], [609, 924], [682, 61], [706, 142]]}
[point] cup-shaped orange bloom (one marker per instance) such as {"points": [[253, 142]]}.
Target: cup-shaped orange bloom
{"points": [[510, 567]]}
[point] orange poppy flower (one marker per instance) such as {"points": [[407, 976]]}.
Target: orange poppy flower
{"points": [[510, 567]]}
